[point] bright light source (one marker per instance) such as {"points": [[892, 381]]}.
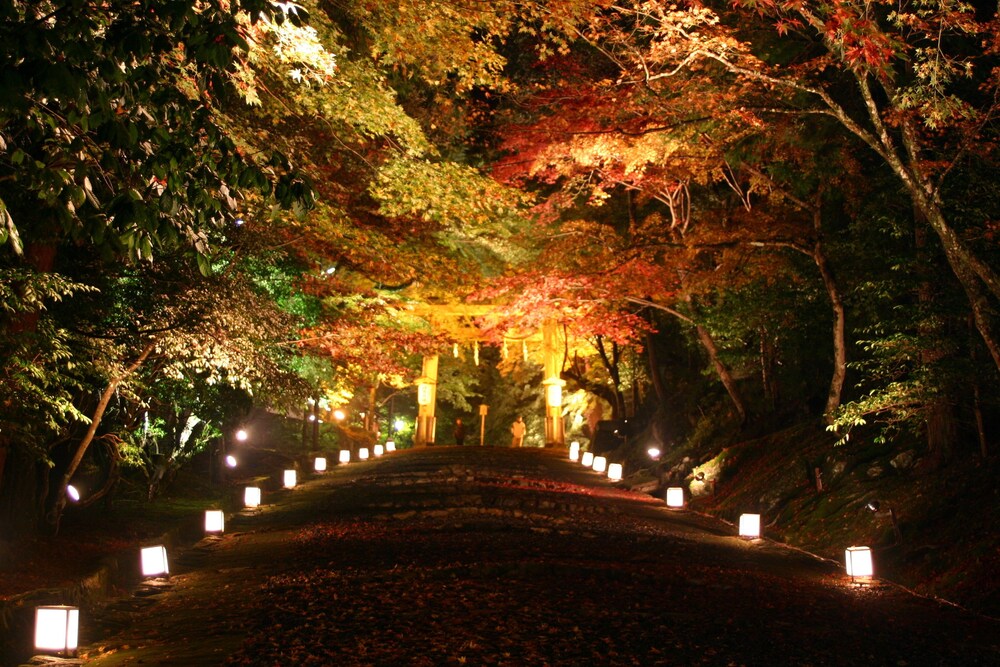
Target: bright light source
{"points": [[423, 394], [379, 450], [574, 451], [57, 628], [330, 270], [363, 453], [319, 465], [553, 395], [251, 496], [600, 464], [750, 526], [72, 493], [345, 456], [230, 461], [654, 452], [390, 445], [239, 222], [215, 521], [859, 562], [587, 460], [290, 479], [154, 561], [339, 415], [615, 472], [241, 435], [312, 418], [675, 497]]}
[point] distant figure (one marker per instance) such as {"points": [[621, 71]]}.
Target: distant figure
{"points": [[517, 430], [459, 432]]}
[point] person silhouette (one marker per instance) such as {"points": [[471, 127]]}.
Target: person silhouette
{"points": [[517, 430], [459, 432]]}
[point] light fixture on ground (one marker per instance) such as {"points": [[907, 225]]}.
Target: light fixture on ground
{"points": [[587, 460], [750, 526], [653, 453], [230, 461], [379, 450], [251, 496], [615, 472], [858, 561], [574, 451], [215, 521], [319, 465], [344, 456], [154, 561], [290, 479], [675, 497], [241, 435], [600, 464], [57, 629], [390, 445], [363, 453]]}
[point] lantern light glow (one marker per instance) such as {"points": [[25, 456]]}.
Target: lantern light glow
{"points": [[600, 464], [587, 460], [574, 451], [230, 461], [241, 435], [251, 496], [390, 445], [154, 561], [379, 450], [345, 456], [215, 521], [72, 493], [363, 453], [319, 465], [615, 472], [57, 628], [290, 479], [750, 526], [859, 562], [675, 497], [654, 453]]}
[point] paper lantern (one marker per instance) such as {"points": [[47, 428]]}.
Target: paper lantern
{"points": [[154, 561], [251, 496], [675, 497], [345, 456], [290, 479], [587, 460], [215, 521], [363, 453], [574, 451], [379, 450], [750, 526], [615, 472], [390, 445], [319, 465], [57, 628], [600, 464], [859, 562]]}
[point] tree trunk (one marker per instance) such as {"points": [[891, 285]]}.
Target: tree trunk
{"points": [[727, 378], [836, 390]]}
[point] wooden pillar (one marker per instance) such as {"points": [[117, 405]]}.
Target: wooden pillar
{"points": [[554, 433], [426, 399]]}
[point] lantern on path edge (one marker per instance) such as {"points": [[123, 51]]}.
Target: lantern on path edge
{"points": [[251, 496], [749, 526], [363, 453], [574, 451], [675, 497], [600, 464], [154, 561], [615, 472], [215, 521], [345, 456], [290, 479], [587, 460], [57, 629], [858, 561], [319, 465]]}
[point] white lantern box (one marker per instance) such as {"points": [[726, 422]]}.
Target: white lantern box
{"points": [[363, 453], [290, 479], [574, 451], [379, 450], [750, 526], [600, 464], [345, 456], [154, 561], [615, 472], [319, 465], [859, 563], [675, 497], [215, 521], [57, 629], [587, 460], [251, 496], [390, 445]]}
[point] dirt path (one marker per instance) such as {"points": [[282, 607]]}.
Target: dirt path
{"points": [[483, 556]]}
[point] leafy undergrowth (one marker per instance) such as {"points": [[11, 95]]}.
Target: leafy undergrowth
{"points": [[946, 544]]}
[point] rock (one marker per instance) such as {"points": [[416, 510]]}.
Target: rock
{"points": [[903, 460], [875, 471]]}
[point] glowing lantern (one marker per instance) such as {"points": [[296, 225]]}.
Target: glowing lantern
{"points": [[241, 435], [72, 493], [615, 472], [675, 497], [653, 452], [363, 453], [251, 496], [230, 461], [390, 445], [290, 479], [379, 450], [750, 526], [154, 561], [423, 394], [574, 451], [600, 464], [57, 628], [859, 562], [553, 394], [319, 465], [587, 460], [215, 521]]}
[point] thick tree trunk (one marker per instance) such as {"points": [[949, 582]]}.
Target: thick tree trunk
{"points": [[723, 371], [836, 390]]}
